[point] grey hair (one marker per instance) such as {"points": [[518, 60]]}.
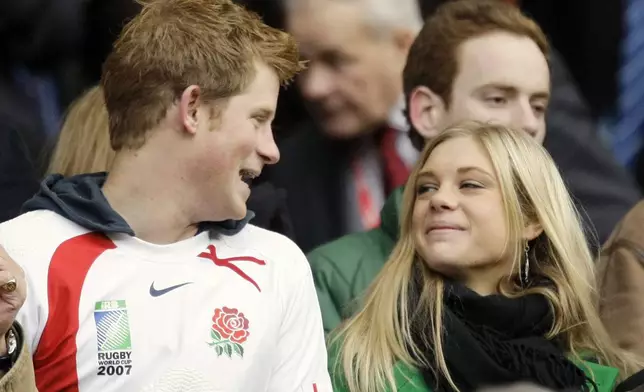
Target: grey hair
{"points": [[379, 14]]}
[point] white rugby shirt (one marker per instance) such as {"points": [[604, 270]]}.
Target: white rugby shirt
{"points": [[114, 313]]}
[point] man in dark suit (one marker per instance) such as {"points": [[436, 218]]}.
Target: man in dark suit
{"points": [[340, 169], [317, 166]]}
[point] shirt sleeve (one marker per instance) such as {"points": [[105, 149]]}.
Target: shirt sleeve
{"points": [[302, 356], [21, 375]]}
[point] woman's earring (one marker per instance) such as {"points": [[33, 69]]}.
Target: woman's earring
{"points": [[527, 264]]}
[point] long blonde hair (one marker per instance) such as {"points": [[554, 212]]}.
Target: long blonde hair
{"points": [[532, 189], [84, 142]]}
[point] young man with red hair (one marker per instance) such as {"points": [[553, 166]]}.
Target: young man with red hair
{"points": [[151, 276]]}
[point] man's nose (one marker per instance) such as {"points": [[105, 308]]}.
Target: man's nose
{"points": [[316, 83], [526, 119], [268, 149]]}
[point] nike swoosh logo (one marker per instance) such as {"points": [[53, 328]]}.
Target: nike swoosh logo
{"points": [[156, 293]]}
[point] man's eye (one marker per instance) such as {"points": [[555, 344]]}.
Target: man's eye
{"points": [[496, 100]]}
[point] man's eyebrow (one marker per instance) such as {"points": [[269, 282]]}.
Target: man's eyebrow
{"points": [[264, 113]]}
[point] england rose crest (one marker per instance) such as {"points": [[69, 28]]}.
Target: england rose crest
{"points": [[229, 331]]}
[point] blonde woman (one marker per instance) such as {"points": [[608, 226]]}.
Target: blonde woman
{"points": [[491, 282], [84, 142]]}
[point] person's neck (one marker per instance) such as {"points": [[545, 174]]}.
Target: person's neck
{"points": [[483, 281], [156, 212], [481, 288]]}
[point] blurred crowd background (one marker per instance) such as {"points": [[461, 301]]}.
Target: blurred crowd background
{"points": [[52, 51]]}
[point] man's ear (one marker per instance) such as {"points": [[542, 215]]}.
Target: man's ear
{"points": [[191, 100], [403, 39], [426, 112]]}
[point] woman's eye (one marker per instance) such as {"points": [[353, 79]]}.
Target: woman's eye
{"points": [[471, 185], [425, 188]]}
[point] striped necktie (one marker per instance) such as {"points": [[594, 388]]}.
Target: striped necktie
{"points": [[396, 172], [628, 136]]}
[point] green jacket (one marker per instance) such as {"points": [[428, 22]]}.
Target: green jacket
{"points": [[344, 268], [409, 379]]}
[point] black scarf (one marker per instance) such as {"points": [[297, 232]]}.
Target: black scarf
{"points": [[494, 341]]}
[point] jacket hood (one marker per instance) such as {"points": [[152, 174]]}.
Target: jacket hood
{"points": [[81, 200], [390, 214]]}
